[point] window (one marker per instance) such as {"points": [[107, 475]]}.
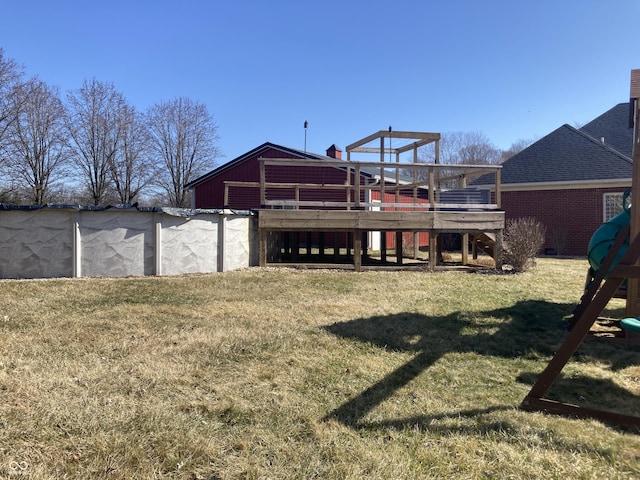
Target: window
{"points": [[612, 205]]}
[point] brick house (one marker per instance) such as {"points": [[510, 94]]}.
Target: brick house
{"points": [[571, 180]]}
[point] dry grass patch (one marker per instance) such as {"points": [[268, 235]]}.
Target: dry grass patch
{"points": [[277, 373]]}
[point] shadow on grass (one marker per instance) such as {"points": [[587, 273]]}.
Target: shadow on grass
{"points": [[472, 422], [529, 329], [599, 393]]}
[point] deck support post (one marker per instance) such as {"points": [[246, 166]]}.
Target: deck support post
{"points": [[433, 250], [383, 246], [497, 252], [263, 234], [357, 250], [465, 248]]}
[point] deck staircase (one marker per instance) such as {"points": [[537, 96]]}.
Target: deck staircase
{"points": [[485, 242]]}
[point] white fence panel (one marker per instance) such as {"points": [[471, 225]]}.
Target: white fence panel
{"points": [[197, 255], [116, 243], [33, 245], [68, 241]]}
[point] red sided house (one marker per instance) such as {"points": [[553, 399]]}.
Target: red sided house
{"points": [[362, 205], [235, 185], [571, 180]]}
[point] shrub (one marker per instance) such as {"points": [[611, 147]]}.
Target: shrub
{"points": [[523, 239]]}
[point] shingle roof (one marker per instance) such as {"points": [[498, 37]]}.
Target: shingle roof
{"points": [[613, 126], [248, 155], [565, 155], [366, 171]]}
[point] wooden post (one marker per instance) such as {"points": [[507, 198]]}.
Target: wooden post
{"points": [[357, 250], [433, 250], [357, 192], [348, 186], [397, 179], [497, 252], [465, 248], [399, 248], [382, 199], [498, 188], [415, 174], [263, 247], [365, 244], [436, 179], [263, 176], [432, 187], [633, 284], [383, 246]]}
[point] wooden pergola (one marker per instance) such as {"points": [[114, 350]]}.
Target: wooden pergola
{"points": [[356, 216]]}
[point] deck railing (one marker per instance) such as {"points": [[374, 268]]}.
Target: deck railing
{"points": [[413, 186]]}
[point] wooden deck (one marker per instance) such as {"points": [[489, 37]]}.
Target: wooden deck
{"points": [[359, 223], [355, 220], [378, 196]]}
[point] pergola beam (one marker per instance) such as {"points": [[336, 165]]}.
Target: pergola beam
{"points": [[422, 138]]}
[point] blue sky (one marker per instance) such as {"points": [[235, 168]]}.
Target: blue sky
{"points": [[510, 69]]}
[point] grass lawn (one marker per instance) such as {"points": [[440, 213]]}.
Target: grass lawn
{"points": [[280, 373]]}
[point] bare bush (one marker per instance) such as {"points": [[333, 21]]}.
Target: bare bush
{"points": [[524, 238]]}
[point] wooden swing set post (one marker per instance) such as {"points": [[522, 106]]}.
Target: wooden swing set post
{"points": [[633, 301], [599, 294]]}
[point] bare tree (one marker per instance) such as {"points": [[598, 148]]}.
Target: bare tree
{"points": [[10, 74], [37, 151], [459, 148], [131, 169], [183, 136], [467, 148], [479, 153], [95, 129], [516, 147]]}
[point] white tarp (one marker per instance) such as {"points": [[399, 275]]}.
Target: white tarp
{"points": [[33, 245], [236, 255], [189, 245], [66, 241], [116, 243]]}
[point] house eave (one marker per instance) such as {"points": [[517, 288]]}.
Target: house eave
{"points": [[571, 185]]}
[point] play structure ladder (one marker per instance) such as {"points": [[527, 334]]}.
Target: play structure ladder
{"points": [[594, 282], [602, 287], [600, 291]]}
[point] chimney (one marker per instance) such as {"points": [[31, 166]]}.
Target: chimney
{"points": [[334, 152]]}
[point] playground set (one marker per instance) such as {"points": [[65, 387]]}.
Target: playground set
{"points": [[614, 258]]}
